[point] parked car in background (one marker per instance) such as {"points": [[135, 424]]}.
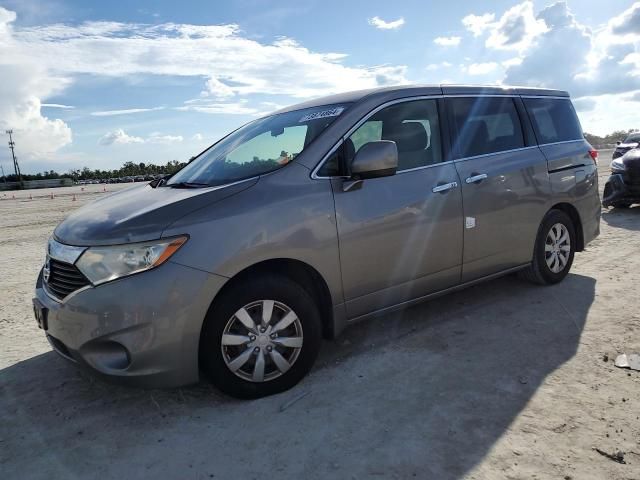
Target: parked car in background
{"points": [[623, 186], [632, 141], [312, 218]]}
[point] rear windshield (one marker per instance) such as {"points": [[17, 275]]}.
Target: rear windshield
{"points": [[259, 147], [632, 138], [553, 119]]}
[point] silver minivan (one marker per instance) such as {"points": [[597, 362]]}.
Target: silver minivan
{"points": [[317, 216]]}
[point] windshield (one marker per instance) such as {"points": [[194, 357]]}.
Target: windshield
{"points": [[632, 138], [259, 147]]}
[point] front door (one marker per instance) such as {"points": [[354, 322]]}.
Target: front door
{"points": [[400, 236]]}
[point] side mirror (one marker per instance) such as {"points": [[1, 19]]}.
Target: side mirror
{"points": [[618, 142], [374, 160]]}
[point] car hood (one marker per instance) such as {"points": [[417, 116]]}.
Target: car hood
{"points": [[138, 213], [627, 145]]}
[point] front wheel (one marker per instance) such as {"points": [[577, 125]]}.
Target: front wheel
{"points": [[260, 337], [553, 251]]}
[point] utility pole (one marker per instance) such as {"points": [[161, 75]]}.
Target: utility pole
{"points": [[4, 177], [16, 167]]}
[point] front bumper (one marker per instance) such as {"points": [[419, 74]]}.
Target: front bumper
{"points": [[620, 188], [143, 330]]}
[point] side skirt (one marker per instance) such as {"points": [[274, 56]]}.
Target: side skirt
{"points": [[430, 296]]}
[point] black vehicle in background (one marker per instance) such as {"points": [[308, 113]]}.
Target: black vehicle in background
{"points": [[623, 186], [632, 141]]}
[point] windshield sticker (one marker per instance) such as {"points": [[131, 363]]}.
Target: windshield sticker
{"points": [[333, 112]]}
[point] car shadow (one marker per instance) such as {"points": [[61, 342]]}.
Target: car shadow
{"points": [[424, 392], [623, 217]]}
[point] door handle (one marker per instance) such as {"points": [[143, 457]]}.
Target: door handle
{"points": [[444, 187], [476, 178]]}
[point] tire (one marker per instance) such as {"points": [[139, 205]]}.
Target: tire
{"points": [[297, 342], [540, 271]]}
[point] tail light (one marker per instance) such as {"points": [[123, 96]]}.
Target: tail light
{"points": [[593, 153]]}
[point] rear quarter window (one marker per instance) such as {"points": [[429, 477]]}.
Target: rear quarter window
{"points": [[553, 119]]}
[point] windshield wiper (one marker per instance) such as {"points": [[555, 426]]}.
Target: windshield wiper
{"points": [[188, 185]]}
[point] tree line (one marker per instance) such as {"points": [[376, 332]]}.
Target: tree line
{"points": [[129, 169], [608, 140]]}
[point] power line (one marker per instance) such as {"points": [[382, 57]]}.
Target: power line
{"points": [[12, 145]]}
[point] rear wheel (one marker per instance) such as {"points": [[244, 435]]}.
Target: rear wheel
{"points": [[554, 249], [260, 337]]}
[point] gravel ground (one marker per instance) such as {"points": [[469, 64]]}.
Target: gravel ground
{"points": [[502, 380]]}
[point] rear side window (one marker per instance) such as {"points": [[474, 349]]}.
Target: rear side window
{"points": [[485, 125], [553, 119]]}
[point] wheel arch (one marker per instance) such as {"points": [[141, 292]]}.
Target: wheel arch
{"points": [[572, 212], [300, 272]]}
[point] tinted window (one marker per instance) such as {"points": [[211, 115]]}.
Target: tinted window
{"points": [[554, 120], [485, 125], [413, 126]]}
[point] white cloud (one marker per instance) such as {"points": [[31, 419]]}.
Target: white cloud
{"points": [[197, 137], [628, 22], [23, 83], [118, 137], [481, 68], [217, 89], [447, 41], [516, 29], [110, 113], [57, 105], [38, 62], [584, 62], [383, 25], [438, 66], [157, 137], [477, 24]]}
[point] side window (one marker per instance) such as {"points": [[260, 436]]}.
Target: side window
{"points": [[415, 128], [485, 125], [553, 119]]}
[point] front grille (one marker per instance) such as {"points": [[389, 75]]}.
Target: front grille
{"points": [[64, 279]]}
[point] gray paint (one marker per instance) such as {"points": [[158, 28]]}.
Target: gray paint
{"points": [[380, 245]]}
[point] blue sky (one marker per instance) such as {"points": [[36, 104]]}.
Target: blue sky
{"points": [[88, 83]]}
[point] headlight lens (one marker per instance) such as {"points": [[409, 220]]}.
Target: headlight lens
{"points": [[102, 264], [617, 164]]}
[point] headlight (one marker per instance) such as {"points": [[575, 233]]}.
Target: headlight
{"points": [[617, 164], [102, 264]]}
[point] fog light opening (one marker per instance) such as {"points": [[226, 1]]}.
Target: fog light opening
{"points": [[107, 356]]}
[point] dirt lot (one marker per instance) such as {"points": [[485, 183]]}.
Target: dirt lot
{"points": [[503, 380]]}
